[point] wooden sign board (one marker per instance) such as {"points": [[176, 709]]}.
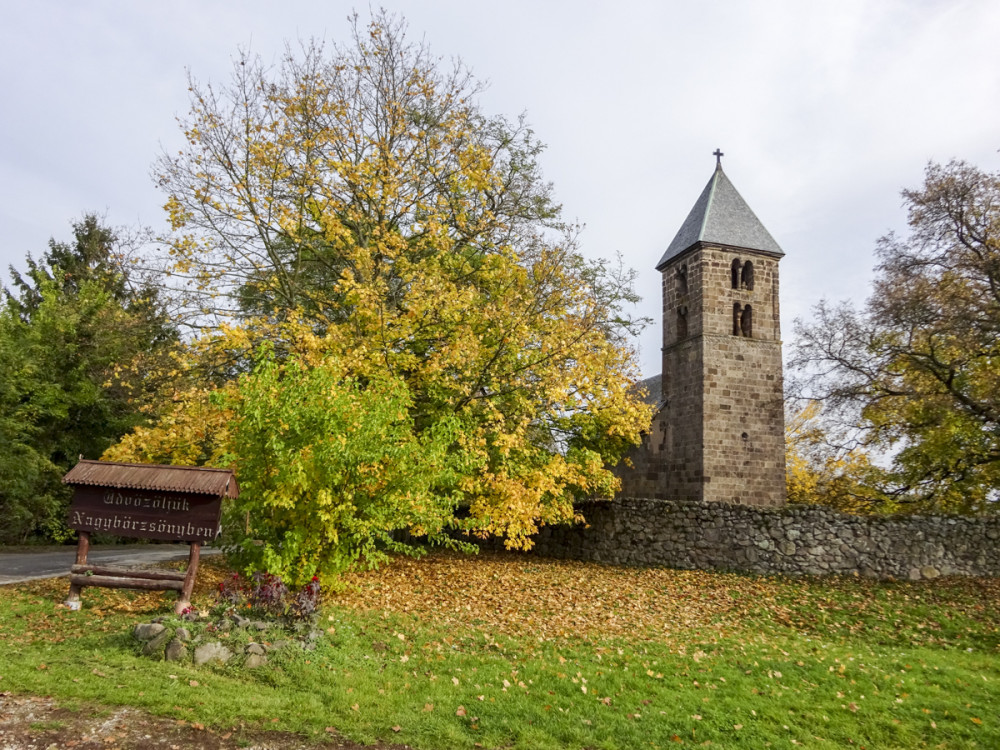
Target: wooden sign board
{"points": [[147, 514], [165, 503]]}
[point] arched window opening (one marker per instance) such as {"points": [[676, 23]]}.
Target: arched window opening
{"points": [[682, 323], [736, 273], [746, 322], [746, 276], [682, 279], [737, 310]]}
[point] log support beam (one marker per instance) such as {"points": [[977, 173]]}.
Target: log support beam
{"points": [[83, 574]]}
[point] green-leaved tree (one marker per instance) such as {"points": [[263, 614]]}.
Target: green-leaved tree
{"points": [[80, 346]]}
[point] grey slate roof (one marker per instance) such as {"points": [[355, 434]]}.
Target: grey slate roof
{"points": [[651, 390], [721, 216]]}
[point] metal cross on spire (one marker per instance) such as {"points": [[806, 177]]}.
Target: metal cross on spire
{"points": [[718, 157]]}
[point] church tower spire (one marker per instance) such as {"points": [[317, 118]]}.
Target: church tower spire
{"points": [[719, 433]]}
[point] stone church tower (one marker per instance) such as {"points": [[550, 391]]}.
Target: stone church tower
{"points": [[718, 434]]}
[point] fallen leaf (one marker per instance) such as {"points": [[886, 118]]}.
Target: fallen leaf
{"points": [[193, 683], [396, 728], [460, 711], [428, 707]]}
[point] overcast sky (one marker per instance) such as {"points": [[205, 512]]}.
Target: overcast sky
{"points": [[825, 111]]}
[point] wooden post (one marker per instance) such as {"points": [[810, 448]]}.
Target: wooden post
{"points": [[82, 548], [184, 600]]}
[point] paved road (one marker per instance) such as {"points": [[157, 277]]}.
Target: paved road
{"points": [[53, 562]]}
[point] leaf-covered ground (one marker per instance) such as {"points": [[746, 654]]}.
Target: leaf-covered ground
{"points": [[519, 594], [511, 651]]}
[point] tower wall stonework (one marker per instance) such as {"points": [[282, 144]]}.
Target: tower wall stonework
{"points": [[743, 409], [719, 434]]}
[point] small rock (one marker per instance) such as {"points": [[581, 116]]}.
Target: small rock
{"points": [[914, 574], [183, 634], [929, 571], [278, 645], [175, 651], [255, 660], [260, 625], [147, 631], [240, 621], [154, 647], [255, 648], [212, 651]]}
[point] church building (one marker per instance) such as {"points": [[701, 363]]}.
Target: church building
{"points": [[718, 433]]}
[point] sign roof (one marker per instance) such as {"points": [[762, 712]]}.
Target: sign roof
{"points": [[199, 480]]}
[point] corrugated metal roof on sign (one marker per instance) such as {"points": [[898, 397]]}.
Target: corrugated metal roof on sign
{"points": [[195, 479]]}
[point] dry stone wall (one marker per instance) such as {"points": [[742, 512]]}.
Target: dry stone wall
{"points": [[792, 540]]}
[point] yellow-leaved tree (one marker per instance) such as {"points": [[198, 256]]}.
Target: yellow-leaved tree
{"points": [[819, 470], [355, 209]]}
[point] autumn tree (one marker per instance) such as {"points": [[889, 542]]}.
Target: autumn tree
{"points": [[357, 210], [81, 338], [918, 366], [823, 466]]}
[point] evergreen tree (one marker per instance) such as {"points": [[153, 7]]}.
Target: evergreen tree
{"points": [[81, 347]]}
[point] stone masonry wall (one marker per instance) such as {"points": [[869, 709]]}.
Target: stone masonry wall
{"points": [[719, 435], [743, 446], [678, 430], [792, 540]]}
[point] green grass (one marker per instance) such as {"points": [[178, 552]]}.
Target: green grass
{"points": [[797, 663]]}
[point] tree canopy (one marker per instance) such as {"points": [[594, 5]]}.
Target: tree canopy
{"points": [[80, 342], [917, 369], [355, 210]]}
